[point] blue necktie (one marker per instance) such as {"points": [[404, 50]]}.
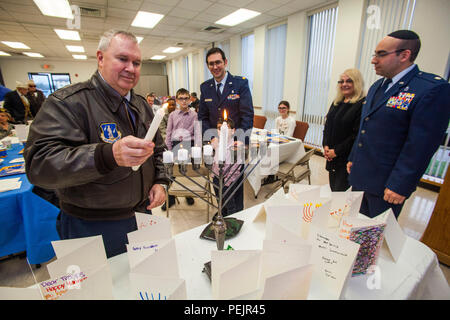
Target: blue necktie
{"points": [[380, 92], [219, 94], [131, 114]]}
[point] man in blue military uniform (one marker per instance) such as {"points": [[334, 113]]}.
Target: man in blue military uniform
{"points": [[225, 92], [403, 120]]}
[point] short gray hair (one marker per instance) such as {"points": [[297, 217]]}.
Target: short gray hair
{"points": [[106, 38]]}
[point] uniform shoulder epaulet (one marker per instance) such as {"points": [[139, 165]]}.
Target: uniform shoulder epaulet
{"points": [[430, 77], [69, 90]]}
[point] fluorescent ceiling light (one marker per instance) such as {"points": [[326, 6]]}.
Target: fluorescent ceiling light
{"points": [[146, 19], [3, 53], [139, 39], [55, 8], [75, 48], [237, 17], [172, 49], [16, 45], [68, 34], [33, 54], [79, 56], [157, 57]]}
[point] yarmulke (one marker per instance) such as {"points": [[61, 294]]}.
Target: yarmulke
{"points": [[404, 35]]}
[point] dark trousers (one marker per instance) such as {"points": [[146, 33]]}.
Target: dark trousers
{"points": [[373, 205], [114, 232], [339, 178], [236, 202]]}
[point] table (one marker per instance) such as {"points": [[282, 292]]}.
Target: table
{"points": [[415, 276], [289, 152], [27, 222]]}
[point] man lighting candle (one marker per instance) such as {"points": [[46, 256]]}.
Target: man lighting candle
{"points": [[84, 141]]}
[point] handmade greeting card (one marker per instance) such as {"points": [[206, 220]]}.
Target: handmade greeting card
{"points": [[234, 272], [150, 227], [10, 293], [147, 287], [369, 235], [155, 258], [394, 236], [333, 259], [279, 198]]}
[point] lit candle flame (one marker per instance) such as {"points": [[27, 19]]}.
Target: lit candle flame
{"points": [[225, 115]]}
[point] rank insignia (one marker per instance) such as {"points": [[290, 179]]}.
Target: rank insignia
{"points": [[109, 133], [233, 97], [401, 102]]}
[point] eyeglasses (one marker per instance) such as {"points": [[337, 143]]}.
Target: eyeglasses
{"points": [[381, 54], [215, 63], [32, 86], [345, 81], [184, 99]]}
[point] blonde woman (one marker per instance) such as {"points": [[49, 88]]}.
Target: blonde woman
{"points": [[341, 127]]}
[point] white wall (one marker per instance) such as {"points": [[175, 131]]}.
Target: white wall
{"points": [[258, 75], [432, 24], [16, 69]]}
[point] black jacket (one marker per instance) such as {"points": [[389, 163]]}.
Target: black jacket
{"points": [[69, 149], [340, 131], [15, 107]]}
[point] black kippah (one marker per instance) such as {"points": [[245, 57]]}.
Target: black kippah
{"points": [[404, 35]]}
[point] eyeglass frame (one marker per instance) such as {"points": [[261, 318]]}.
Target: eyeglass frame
{"points": [[383, 54], [184, 99], [345, 81]]}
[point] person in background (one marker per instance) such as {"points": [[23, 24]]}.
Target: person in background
{"points": [[3, 91], [84, 141], [17, 104], [284, 123], [194, 102], [5, 126], [180, 131], [151, 102], [35, 96], [405, 116], [341, 127], [156, 100], [171, 106]]}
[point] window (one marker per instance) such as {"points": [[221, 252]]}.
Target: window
{"points": [[274, 72], [381, 19], [186, 73], [49, 82], [322, 28], [248, 54]]}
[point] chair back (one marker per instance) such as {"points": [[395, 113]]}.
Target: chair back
{"points": [[259, 121], [301, 128], [305, 158]]}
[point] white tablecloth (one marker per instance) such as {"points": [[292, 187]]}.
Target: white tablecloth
{"points": [[415, 276], [290, 152]]}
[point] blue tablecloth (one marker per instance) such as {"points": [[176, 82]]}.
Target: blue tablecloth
{"points": [[27, 222]]}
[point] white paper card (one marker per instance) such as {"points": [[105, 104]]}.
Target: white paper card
{"points": [[333, 258], [234, 272], [161, 225], [393, 234], [10, 293], [289, 285]]}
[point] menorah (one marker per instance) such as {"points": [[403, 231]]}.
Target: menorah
{"points": [[246, 156]]}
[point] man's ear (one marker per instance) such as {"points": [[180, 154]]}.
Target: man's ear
{"points": [[99, 58], [405, 55]]}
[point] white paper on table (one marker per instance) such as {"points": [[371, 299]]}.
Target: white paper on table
{"points": [[393, 233], [355, 199], [234, 272], [10, 293], [17, 160], [280, 234], [160, 262], [277, 199], [302, 192], [10, 184], [152, 222], [290, 285], [12, 139], [150, 232], [333, 258], [89, 284], [147, 287], [277, 258], [288, 217], [77, 254]]}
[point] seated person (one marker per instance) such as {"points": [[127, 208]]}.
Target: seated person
{"points": [[194, 102], [236, 202], [284, 123], [5, 126], [172, 105], [180, 130]]}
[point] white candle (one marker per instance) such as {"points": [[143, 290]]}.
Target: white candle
{"points": [[182, 155], [196, 152], [207, 150], [168, 157], [223, 141], [159, 115]]}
